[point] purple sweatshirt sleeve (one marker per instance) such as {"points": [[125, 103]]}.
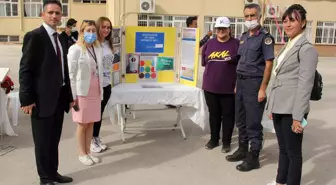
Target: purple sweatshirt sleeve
{"points": [[237, 57]]}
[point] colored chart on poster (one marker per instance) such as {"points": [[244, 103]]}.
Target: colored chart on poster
{"points": [[147, 68]]}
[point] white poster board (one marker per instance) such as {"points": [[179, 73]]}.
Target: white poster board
{"points": [[188, 47]]}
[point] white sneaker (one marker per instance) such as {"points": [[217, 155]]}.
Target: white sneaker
{"points": [[94, 147], [86, 160], [94, 158], [100, 143]]}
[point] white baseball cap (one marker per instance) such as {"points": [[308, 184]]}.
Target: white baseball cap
{"points": [[222, 22]]}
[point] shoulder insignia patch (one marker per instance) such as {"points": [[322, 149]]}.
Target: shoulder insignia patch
{"points": [[268, 41], [241, 42]]}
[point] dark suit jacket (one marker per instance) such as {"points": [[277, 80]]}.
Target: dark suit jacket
{"points": [[68, 40], [75, 34], [40, 73]]}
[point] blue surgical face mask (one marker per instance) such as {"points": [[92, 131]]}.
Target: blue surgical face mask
{"points": [[90, 37]]}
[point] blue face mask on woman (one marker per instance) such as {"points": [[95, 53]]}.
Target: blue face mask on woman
{"points": [[90, 37]]}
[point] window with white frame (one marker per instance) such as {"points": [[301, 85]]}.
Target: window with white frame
{"points": [[309, 31], [9, 8], [90, 1], [275, 28], [162, 20], [33, 8], [237, 25], [9, 38], [325, 33]]}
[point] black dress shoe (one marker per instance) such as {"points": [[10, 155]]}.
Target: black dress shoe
{"points": [[211, 145], [47, 183], [226, 148], [63, 179]]}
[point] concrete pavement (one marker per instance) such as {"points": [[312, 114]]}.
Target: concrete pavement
{"points": [[163, 157]]}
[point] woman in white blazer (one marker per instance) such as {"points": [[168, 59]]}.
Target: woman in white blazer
{"points": [[86, 77], [288, 103]]}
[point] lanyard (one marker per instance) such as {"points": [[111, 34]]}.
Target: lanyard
{"points": [[93, 54]]}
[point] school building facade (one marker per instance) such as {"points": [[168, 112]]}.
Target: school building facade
{"points": [[19, 16]]}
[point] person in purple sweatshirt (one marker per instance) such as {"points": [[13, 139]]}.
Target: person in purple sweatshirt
{"points": [[219, 57]]}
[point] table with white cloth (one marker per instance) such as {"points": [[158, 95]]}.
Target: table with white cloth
{"points": [[6, 126], [189, 102]]}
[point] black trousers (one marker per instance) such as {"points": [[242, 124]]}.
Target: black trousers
{"points": [[46, 134], [249, 112], [290, 145], [106, 97], [222, 114]]}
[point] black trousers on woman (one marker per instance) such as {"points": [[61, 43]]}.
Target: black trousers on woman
{"points": [[290, 145], [222, 114], [106, 97]]}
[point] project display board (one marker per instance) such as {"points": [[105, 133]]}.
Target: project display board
{"points": [[116, 65], [189, 56], [150, 53]]}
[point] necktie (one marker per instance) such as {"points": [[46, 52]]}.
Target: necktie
{"points": [[58, 51]]}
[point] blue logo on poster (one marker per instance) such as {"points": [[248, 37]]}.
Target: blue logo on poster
{"points": [[149, 42]]}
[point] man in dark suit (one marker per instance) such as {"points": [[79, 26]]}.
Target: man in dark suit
{"points": [[70, 34], [45, 91]]}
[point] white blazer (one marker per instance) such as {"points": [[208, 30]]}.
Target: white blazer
{"points": [[80, 70]]}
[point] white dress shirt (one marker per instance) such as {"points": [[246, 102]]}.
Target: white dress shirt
{"points": [[50, 32]]}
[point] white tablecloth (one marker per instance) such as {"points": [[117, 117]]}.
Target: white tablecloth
{"points": [[191, 98], [4, 120]]}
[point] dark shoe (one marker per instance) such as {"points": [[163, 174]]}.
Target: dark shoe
{"points": [[226, 148], [47, 183], [63, 179], [211, 145], [250, 163], [239, 154]]}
